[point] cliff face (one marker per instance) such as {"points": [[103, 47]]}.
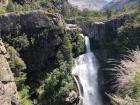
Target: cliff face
{"points": [[39, 38], [44, 37], [93, 29], [101, 30], [8, 90], [101, 33], [28, 21]]}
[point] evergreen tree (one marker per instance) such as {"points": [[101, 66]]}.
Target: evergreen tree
{"points": [[67, 49]]}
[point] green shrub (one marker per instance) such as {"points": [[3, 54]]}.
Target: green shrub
{"points": [[2, 10], [67, 49], [24, 97], [21, 42], [58, 85], [10, 7], [18, 41], [136, 86], [18, 66], [78, 44]]}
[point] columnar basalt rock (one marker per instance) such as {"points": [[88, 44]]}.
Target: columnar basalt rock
{"points": [[103, 33], [8, 89], [93, 29], [101, 30]]}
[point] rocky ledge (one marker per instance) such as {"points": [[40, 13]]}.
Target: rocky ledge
{"points": [[28, 21], [101, 30]]}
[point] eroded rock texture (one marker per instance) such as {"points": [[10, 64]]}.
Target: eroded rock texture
{"points": [[28, 21], [8, 89]]}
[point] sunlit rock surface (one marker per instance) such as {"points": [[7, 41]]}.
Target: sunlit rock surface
{"points": [[8, 89]]}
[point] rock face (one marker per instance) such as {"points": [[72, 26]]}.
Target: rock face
{"points": [[45, 36], [101, 33], [93, 29], [73, 96], [100, 30], [28, 21], [8, 90]]}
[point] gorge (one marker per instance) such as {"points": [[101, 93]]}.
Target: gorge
{"points": [[51, 53], [86, 68]]}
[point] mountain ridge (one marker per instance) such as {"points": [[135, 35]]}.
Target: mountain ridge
{"points": [[88, 4], [120, 4], [103, 4]]}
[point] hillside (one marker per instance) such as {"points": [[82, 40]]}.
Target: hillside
{"points": [[120, 4], [88, 4]]}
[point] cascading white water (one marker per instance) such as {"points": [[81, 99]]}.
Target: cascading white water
{"points": [[85, 73]]}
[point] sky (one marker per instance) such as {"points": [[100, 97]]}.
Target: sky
{"points": [[108, 0]]}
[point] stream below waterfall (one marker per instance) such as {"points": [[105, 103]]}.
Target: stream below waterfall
{"points": [[85, 74]]}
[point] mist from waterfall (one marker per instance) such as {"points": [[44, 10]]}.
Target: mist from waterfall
{"points": [[85, 73]]}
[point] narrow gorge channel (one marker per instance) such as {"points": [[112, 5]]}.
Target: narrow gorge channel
{"points": [[85, 74]]}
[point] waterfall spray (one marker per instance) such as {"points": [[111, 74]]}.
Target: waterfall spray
{"points": [[85, 74]]}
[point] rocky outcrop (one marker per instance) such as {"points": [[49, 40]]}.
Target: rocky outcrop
{"points": [[93, 29], [45, 35], [28, 21], [73, 96], [100, 30], [101, 33], [8, 90]]}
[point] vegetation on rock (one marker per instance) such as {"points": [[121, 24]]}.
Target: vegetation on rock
{"points": [[41, 55], [42, 62], [124, 71]]}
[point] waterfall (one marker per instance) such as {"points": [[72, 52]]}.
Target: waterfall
{"points": [[85, 74]]}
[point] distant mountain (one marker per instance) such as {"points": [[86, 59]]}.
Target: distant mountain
{"points": [[119, 4], [88, 4]]}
